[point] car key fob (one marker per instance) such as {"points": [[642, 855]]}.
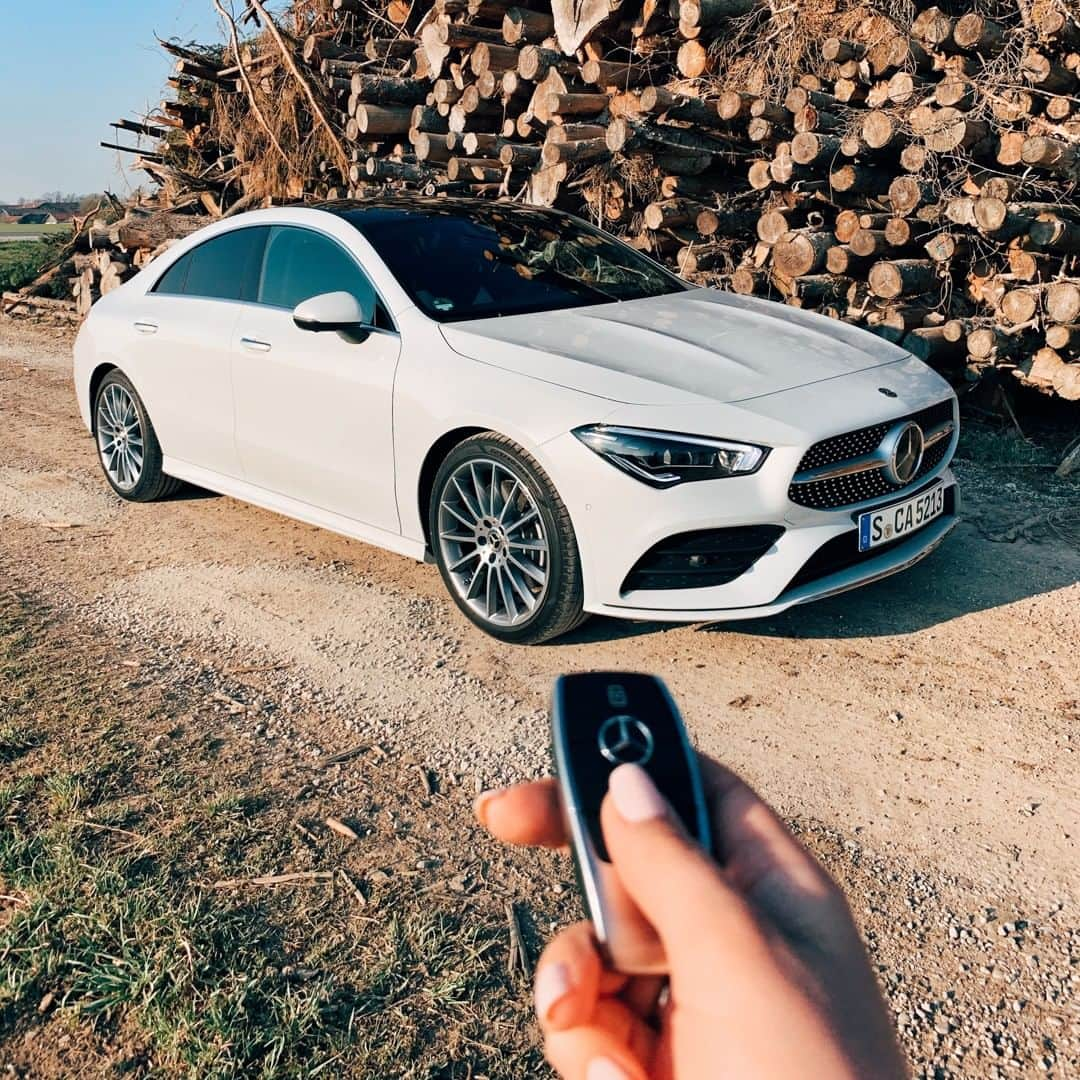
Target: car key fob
{"points": [[600, 720]]}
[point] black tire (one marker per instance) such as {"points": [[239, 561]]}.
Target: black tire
{"points": [[152, 483], [559, 610]]}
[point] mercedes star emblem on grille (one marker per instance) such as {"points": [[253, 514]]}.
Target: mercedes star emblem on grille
{"points": [[625, 740], [905, 453]]}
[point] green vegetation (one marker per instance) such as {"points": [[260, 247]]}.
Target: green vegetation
{"points": [[62, 227], [22, 260], [120, 808], [992, 446]]}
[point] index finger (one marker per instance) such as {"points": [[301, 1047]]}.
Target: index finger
{"points": [[528, 814]]}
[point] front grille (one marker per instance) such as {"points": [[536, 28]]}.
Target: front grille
{"points": [[842, 552], [837, 491], [699, 560]]}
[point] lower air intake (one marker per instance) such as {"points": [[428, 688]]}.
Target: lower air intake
{"points": [[702, 559]]}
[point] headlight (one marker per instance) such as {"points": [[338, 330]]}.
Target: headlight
{"points": [[662, 459]]}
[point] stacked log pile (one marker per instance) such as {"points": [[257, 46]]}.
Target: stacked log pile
{"points": [[912, 169]]}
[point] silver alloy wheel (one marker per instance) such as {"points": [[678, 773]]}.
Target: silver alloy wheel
{"points": [[119, 436], [493, 542]]}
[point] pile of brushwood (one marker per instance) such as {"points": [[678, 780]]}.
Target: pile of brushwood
{"points": [[912, 169]]}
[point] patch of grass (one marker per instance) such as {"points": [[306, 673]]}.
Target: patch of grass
{"points": [[14, 229], [22, 260], [995, 447], [15, 740], [114, 829]]}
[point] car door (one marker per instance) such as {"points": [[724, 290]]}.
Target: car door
{"points": [[314, 411], [185, 332]]}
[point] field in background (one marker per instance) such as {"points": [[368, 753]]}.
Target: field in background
{"points": [[31, 231]]}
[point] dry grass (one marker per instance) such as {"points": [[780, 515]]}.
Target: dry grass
{"points": [[121, 806]]}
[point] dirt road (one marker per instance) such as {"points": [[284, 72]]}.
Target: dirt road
{"points": [[932, 721]]}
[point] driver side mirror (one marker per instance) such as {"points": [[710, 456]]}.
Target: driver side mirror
{"points": [[337, 311]]}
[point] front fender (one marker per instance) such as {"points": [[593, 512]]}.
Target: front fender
{"points": [[438, 391]]}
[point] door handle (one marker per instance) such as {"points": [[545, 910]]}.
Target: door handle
{"points": [[146, 327], [255, 345]]}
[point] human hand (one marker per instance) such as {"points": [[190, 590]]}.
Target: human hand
{"points": [[769, 979]]}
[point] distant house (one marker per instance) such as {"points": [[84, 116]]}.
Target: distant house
{"points": [[37, 219]]}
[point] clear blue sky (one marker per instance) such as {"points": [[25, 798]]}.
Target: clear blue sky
{"points": [[70, 67]]}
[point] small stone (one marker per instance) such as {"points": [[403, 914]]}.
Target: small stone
{"points": [[46, 1002]]}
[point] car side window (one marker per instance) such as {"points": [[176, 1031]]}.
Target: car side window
{"points": [[299, 264], [224, 268]]}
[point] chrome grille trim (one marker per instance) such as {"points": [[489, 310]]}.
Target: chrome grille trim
{"points": [[868, 463], [851, 469]]}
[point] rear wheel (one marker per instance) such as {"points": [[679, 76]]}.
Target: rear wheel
{"points": [[128, 449], [504, 542]]}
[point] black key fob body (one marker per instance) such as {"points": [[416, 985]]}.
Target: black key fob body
{"points": [[600, 720]]}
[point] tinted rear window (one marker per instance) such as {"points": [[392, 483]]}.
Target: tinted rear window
{"points": [[224, 268]]}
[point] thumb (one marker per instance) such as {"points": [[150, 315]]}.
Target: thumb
{"points": [[706, 928]]}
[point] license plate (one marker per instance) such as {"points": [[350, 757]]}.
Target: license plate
{"points": [[893, 522]]}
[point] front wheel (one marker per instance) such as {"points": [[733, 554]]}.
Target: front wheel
{"points": [[504, 542], [127, 444]]}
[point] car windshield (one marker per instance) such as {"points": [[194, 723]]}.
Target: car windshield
{"points": [[490, 261]]}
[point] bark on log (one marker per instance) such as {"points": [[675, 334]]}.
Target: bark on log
{"points": [[902, 277], [802, 252], [377, 120], [906, 193], [524, 26], [991, 341], [978, 34], [1056, 155], [868, 242], [1052, 232], [1064, 338], [1048, 371], [747, 281], [576, 20], [151, 231]]}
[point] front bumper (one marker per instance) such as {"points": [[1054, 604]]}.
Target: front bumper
{"points": [[617, 519]]}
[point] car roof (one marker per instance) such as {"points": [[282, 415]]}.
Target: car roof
{"points": [[361, 212]]}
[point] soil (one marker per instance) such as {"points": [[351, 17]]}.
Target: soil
{"points": [[921, 733]]}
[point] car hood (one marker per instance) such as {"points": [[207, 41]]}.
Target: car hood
{"points": [[699, 344]]}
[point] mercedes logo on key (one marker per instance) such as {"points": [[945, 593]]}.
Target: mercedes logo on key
{"points": [[625, 740], [905, 453]]}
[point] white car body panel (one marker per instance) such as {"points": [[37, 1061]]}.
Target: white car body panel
{"points": [[314, 415], [676, 348], [337, 434]]}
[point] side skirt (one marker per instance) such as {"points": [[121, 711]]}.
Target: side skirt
{"points": [[293, 508]]}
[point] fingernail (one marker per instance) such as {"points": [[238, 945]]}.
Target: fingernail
{"points": [[634, 794], [483, 802], [603, 1068], [552, 985]]}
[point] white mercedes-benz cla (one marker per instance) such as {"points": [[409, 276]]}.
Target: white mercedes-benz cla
{"points": [[552, 417]]}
